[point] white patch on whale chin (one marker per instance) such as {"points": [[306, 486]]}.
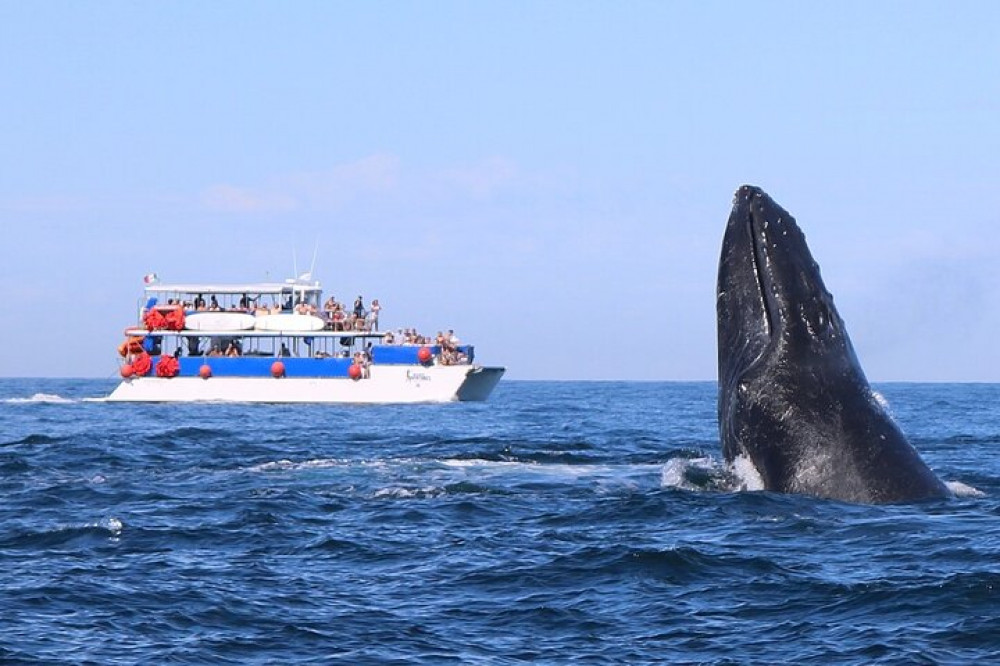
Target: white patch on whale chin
{"points": [[746, 473]]}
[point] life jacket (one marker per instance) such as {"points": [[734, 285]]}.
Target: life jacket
{"points": [[154, 320], [141, 364], [167, 366], [174, 319], [131, 346]]}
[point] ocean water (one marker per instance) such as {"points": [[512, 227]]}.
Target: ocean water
{"points": [[560, 522]]}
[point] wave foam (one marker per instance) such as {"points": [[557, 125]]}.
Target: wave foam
{"points": [[747, 474], [39, 398], [960, 489], [711, 474]]}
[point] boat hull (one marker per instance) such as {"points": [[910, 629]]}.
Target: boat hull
{"points": [[384, 385]]}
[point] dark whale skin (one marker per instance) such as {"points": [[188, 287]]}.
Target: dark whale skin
{"points": [[793, 397]]}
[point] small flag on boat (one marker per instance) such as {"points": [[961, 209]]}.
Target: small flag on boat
{"points": [[150, 278]]}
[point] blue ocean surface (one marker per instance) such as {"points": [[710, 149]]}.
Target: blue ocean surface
{"points": [[559, 522]]}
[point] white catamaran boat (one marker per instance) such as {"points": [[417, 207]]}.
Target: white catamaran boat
{"points": [[276, 343]]}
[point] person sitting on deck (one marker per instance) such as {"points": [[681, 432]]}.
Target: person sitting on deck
{"points": [[213, 304], [329, 307], [338, 319], [232, 350]]}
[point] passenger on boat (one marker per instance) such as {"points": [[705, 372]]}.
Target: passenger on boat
{"points": [[244, 302], [329, 307], [360, 358], [276, 308], [213, 304], [356, 323], [199, 302], [338, 319], [305, 308], [284, 350], [359, 307], [232, 349], [373, 313], [215, 351], [388, 339]]}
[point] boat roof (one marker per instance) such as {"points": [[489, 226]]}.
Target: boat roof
{"points": [[240, 288]]}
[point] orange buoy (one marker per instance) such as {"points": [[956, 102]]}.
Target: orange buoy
{"points": [[278, 369], [424, 354], [127, 370], [205, 371], [354, 372]]}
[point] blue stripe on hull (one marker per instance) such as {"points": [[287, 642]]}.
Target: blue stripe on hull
{"points": [[407, 354], [251, 366]]}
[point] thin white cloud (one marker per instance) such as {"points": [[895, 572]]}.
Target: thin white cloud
{"points": [[232, 199], [333, 188], [480, 180], [309, 190], [376, 178]]}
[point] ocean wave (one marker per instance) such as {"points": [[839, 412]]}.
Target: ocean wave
{"points": [[63, 535], [34, 439]]}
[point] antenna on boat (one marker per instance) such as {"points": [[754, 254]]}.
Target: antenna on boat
{"points": [[308, 276]]}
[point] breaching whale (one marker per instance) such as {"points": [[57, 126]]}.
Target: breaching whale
{"points": [[793, 398]]}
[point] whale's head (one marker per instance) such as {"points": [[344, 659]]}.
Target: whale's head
{"points": [[793, 398], [772, 304], [777, 325]]}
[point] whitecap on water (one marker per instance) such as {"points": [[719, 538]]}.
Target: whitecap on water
{"points": [[711, 474], [113, 525], [960, 489], [746, 474], [290, 465], [39, 398], [398, 492]]}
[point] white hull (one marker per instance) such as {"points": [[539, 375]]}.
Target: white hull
{"points": [[386, 384]]}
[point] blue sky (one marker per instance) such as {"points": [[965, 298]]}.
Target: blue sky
{"points": [[542, 177]]}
